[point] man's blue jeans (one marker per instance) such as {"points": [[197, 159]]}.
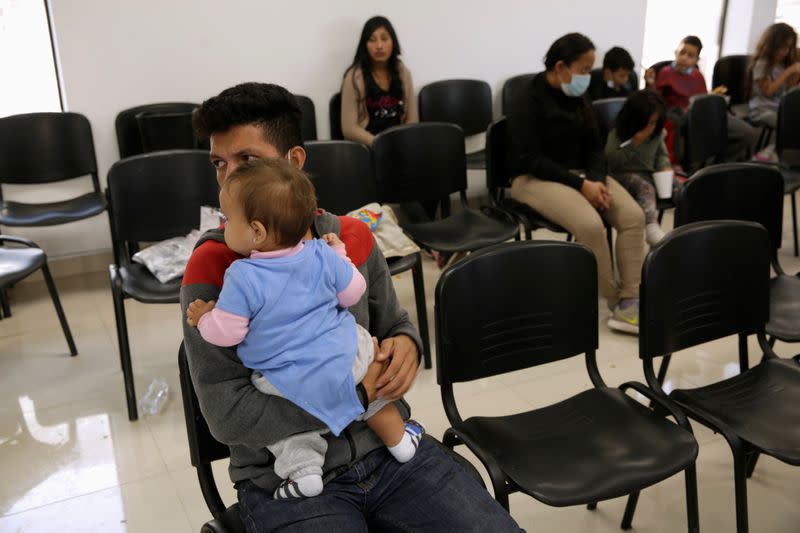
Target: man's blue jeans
{"points": [[430, 493]]}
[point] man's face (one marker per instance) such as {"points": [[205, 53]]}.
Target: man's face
{"points": [[686, 56], [238, 145]]}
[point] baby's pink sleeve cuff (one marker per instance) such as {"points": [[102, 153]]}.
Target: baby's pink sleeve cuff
{"points": [[352, 293], [222, 328]]}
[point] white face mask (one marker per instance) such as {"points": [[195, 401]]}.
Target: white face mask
{"points": [[611, 84], [577, 86]]}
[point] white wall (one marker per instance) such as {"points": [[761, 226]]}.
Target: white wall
{"points": [[746, 20], [117, 54]]}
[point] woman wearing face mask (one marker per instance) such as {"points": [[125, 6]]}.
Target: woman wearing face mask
{"points": [[561, 170]]}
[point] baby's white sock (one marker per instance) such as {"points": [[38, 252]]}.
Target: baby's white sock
{"points": [[404, 450], [304, 487]]}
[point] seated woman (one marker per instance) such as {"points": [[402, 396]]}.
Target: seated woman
{"points": [[377, 92], [562, 173]]}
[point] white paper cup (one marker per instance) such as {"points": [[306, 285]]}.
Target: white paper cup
{"points": [[663, 181]]}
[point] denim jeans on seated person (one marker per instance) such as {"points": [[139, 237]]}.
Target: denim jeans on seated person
{"points": [[430, 493]]}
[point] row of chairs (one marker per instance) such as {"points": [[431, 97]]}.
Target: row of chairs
{"points": [[603, 443]]}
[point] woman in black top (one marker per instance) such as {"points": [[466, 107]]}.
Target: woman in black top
{"points": [[562, 174], [377, 91]]}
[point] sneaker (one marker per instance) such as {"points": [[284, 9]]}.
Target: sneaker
{"points": [[625, 318], [767, 155], [653, 233]]}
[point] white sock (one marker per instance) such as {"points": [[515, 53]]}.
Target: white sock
{"points": [[653, 233], [404, 450], [303, 487]]}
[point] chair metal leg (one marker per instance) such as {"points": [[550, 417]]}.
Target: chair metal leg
{"points": [[5, 304], [422, 310], [740, 480], [692, 507], [751, 464], [630, 508], [660, 216], [125, 353], [51, 287], [592, 506], [744, 357], [610, 239], [794, 221], [662, 370]]}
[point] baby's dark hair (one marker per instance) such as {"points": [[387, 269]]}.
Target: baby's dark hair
{"points": [[277, 194], [636, 113]]}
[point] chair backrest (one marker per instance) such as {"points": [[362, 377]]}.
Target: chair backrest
{"points": [[498, 154], [731, 71], [659, 65], [46, 147], [787, 143], [308, 126], [513, 306], [157, 196], [419, 162], [342, 175], [734, 191], [335, 115], [706, 130], [128, 138], [606, 111], [467, 103], [166, 131], [702, 282], [512, 89]]}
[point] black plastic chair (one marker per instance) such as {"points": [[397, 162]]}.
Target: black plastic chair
{"points": [[204, 449], [129, 139], [698, 286], [514, 88], [425, 162], [41, 148], [17, 264], [731, 71], [335, 116], [524, 304], [657, 66], [342, 175], [787, 146], [308, 124], [151, 197], [706, 134], [166, 131], [467, 103], [754, 193]]}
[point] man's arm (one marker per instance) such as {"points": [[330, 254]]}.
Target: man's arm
{"points": [[236, 412]]}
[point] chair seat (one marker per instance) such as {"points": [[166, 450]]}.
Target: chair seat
{"points": [[53, 213], [791, 180], [597, 445], [466, 231], [141, 285], [476, 160], [18, 263], [230, 522], [784, 308], [401, 264], [759, 405]]}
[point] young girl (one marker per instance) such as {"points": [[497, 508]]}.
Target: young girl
{"points": [[635, 149], [773, 70], [285, 305]]}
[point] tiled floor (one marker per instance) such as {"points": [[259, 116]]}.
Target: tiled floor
{"points": [[71, 461]]}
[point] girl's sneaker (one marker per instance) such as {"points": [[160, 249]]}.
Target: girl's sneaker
{"points": [[625, 318]]}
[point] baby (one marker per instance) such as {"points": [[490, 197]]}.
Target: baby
{"points": [[285, 306]]}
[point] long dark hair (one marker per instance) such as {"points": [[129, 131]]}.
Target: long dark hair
{"points": [[363, 61], [771, 40], [636, 112], [567, 49]]}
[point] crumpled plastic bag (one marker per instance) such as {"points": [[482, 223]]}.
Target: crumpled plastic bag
{"points": [[166, 260], [388, 234]]}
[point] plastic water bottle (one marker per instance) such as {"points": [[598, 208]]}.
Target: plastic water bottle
{"points": [[154, 399]]}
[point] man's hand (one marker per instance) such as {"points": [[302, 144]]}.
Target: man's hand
{"points": [[197, 309], [649, 77], [403, 357]]}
